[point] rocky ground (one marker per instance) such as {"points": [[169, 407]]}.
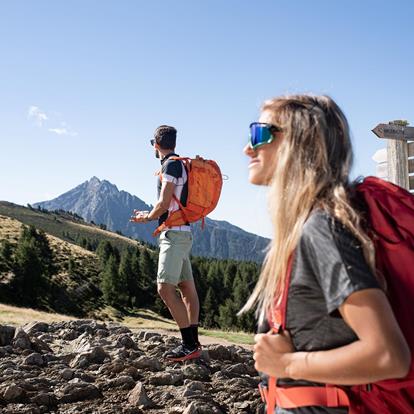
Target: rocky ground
{"points": [[85, 366]]}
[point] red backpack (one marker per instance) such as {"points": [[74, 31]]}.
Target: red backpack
{"points": [[390, 216]]}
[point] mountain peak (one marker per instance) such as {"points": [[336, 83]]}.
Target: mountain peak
{"points": [[94, 180], [101, 201], [96, 185]]}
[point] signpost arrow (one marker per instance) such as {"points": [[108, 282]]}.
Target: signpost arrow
{"points": [[389, 131]]}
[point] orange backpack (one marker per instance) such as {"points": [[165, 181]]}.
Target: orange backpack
{"points": [[204, 188]]}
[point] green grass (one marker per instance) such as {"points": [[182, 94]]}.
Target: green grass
{"points": [[235, 337], [16, 316], [59, 226], [139, 319]]}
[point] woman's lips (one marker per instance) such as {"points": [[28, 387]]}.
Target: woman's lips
{"points": [[253, 162]]}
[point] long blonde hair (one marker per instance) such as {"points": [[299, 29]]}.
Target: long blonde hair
{"points": [[311, 171]]}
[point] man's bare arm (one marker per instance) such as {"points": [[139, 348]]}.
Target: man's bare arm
{"points": [[166, 195]]}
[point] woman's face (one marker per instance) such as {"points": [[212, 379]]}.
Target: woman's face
{"points": [[263, 158]]}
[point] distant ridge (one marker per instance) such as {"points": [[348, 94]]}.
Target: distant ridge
{"points": [[101, 201]]}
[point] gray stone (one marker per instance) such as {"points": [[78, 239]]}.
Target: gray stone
{"points": [[149, 335], [6, 334], [194, 385], [34, 359], [197, 407], [133, 372], [102, 333], [67, 374], [167, 378], [96, 355], [237, 370], [36, 326], [196, 372], [13, 393], [144, 362], [46, 337], [69, 334], [79, 392], [40, 346], [241, 406], [87, 377], [124, 381], [139, 398], [21, 340], [219, 352], [45, 398], [126, 342]]}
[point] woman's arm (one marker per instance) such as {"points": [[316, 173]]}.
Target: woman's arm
{"points": [[380, 352]]}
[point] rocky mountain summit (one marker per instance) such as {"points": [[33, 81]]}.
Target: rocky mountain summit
{"points": [[101, 202], [86, 366]]}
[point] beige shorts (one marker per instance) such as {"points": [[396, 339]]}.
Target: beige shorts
{"points": [[174, 264]]}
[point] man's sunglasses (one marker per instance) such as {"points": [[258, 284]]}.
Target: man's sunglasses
{"points": [[261, 133], [152, 141]]}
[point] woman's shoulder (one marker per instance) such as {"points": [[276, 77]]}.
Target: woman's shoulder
{"points": [[326, 232], [323, 226], [319, 221]]}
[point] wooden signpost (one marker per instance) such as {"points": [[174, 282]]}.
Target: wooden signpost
{"points": [[399, 153]]}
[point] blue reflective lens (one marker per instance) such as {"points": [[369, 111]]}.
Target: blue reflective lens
{"points": [[260, 134]]}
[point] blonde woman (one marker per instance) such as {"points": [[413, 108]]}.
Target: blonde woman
{"points": [[340, 328]]}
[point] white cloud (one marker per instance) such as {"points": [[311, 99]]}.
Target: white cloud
{"points": [[37, 115], [380, 156], [63, 131], [40, 117]]}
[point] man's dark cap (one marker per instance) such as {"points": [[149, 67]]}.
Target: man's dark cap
{"points": [[165, 136]]}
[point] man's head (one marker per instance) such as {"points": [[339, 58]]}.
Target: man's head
{"points": [[164, 138]]}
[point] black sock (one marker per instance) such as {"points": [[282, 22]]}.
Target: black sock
{"points": [[194, 331], [187, 335]]}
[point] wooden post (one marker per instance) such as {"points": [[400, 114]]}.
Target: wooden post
{"points": [[410, 150], [399, 149], [397, 160]]}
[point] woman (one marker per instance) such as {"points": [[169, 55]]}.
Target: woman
{"points": [[340, 328]]}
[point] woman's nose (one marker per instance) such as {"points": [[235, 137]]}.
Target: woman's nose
{"points": [[248, 150]]}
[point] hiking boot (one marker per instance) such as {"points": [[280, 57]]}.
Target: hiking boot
{"points": [[183, 353]]}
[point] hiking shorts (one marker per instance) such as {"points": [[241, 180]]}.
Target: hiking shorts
{"points": [[174, 264]]}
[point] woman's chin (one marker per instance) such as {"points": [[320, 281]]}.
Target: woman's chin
{"points": [[256, 178]]}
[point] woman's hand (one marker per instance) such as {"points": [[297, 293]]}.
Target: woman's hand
{"points": [[272, 354]]}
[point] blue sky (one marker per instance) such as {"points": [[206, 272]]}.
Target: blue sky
{"points": [[83, 85]]}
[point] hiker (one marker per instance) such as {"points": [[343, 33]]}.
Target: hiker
{"points": [[339, 325], [174, 266]]}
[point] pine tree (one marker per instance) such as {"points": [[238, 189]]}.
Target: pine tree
{"points": [[227, 315], [133, 283], [229, 275], [71, 266], [127, 277], [104, 251], [210, 309], [28, 282], [111, 285], [147, 281], [6, 251]]}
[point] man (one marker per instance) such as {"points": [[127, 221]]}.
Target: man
{"points": [[174, 266]]}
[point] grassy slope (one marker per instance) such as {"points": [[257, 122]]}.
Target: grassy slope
{"points": [[11, 218], [59, 226], [10, 229]]}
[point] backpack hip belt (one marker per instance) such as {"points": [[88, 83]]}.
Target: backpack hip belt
{"points": [[295, 397]]}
